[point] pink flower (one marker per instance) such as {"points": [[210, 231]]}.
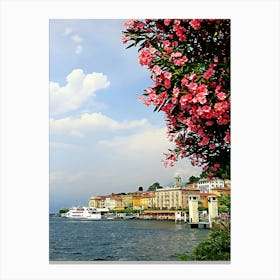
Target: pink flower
{"points": [[183, 100], [150, 91], [176, 54], [192, 86], [195, 24], [167, 75], [202, 89], [192, 77], [206, 109], [129, 24], [167, 84], [212, 146], [200, 97], [176, 91], [204, 168], [185, 81], [214, 168], [209, 123], [180, 62], [227, 137], [167, 22], [183, 38], [157, 70], [204, 141], [125, 38], [221, 95], [210, 72], [145, 57]]}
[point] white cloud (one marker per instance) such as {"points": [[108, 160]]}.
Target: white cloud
{"points": [[89, 122], [151, 141], [138, 158], [76, 38], [67, 31], [67, 177], [79, 88], [79, 49]]}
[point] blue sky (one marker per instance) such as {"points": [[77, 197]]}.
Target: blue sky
{"points": [[102, 139]]}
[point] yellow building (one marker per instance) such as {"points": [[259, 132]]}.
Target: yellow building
{"points": [[173, 198], [227, 183], [97, 201], [147, 201], [136, 202], [94, 201], [220, 191], [203, 199], [127, 201]]}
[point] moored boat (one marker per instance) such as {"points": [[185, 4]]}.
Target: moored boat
{"points": [[84, 213]]}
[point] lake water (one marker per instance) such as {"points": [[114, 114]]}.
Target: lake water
{"points": [[121, 240]]}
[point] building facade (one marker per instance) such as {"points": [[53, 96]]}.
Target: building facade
{"points": [[205, 185], [173, 198]]}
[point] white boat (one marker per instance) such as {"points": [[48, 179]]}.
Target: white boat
{"points": [[85, 213]]}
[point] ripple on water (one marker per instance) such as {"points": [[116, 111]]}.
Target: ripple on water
{"points": [[131, 240]]}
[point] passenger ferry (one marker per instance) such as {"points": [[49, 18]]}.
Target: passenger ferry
{"points": [[85, 213]]}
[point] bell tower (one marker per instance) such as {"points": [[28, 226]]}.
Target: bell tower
{"points": [[177, 181]]}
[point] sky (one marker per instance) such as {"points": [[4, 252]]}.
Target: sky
{"points": [[102, 139]]}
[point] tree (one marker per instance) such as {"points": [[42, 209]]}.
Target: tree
{"points": [[189, 60], [64, 210], [224, 201], [193, 180], [154, 186], [216, 247]]}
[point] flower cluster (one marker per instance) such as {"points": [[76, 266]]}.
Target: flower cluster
{"points": [[189, 61]]}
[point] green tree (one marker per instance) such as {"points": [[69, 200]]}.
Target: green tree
{"points": [[215, 248], [64, 210], [154, 186], [193, 180], [224, 201]]}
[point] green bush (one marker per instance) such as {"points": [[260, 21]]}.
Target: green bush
{"points": [[215, 248]]}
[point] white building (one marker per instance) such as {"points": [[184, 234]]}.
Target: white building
{"points": [[205, 185]]}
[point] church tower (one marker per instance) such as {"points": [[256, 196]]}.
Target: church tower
{"points": [[178, 181]]}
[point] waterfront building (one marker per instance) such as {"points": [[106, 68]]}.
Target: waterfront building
{"points": [[227, 183], [220, 191], [136, 202], [127, 201], [147, 201], [173, 198], [94, 202], [97, 201], [110, 202], [203, 199], [191, 186], [205, 185]]}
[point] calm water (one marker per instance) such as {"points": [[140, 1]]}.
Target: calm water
{"points": [[121, 240]]}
